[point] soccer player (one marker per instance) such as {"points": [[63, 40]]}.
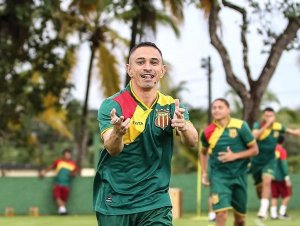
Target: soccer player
{"points": [[65, 169], [137, 126], [230, 144], [281, 184], [262, 166]]}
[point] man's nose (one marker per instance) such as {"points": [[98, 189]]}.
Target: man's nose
{"points": [[147, 66]]}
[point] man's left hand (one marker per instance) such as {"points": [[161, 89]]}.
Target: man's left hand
{"points": [[178, 120], [227, 156]]}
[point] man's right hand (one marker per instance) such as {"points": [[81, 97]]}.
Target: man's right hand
{"points": [[41, 174], [120, 126], [205, 181], [270, 120]]}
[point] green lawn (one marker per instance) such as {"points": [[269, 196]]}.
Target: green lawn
{"points": [[186, 220]]}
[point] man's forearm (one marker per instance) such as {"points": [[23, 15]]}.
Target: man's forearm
{"points": [[252, 151], [189, 136], [114, 143]]}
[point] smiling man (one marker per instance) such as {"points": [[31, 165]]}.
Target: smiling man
{"points": [[137, 126]]}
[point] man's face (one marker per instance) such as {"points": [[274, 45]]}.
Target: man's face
{"points": [[268, 116], [219, 110], [67, 155], [146, 67]]}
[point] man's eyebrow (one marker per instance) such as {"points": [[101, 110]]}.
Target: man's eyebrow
{"points": [[143, 58]]}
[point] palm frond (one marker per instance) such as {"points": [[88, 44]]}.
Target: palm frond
{"points": [[176, 8], [107, 64], [165, 19]]}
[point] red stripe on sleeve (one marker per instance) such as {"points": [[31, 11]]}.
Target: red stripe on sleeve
{"points": [[209, 131], [282, 151], [127, 103]]}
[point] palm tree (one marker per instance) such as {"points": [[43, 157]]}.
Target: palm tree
{"points": [[93, 20], [144, 15]]}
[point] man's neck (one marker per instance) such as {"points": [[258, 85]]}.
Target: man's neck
{"points": [[146, 96], [224, 122]]}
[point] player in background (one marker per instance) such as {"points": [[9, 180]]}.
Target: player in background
{"points": [[266, 132], [281, 184], [229, 143], [65, 169]]}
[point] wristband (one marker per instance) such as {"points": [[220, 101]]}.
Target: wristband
{"points": [[287, 178]]}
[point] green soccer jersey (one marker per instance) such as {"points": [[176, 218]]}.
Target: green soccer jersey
{"points": [[267, 142], [281, 164], [64, 169], [138, 178], [236, 135]]}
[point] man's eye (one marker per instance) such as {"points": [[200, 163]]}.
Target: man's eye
{"points": [[139, 62], [154, 62]]}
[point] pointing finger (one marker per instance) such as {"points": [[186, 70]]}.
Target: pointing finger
{"points": [[177, 104]]}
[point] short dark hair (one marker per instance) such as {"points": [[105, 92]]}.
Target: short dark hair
{"points": [[222, 100], [144, 44], [66, 150], [268, 109], [280, 139]]}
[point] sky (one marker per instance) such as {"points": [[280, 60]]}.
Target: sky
{"points": [[185, 54]]}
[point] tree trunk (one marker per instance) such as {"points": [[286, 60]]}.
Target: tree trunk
{"points": [[251, 98], [251, 109], [134, 28], [83, 135]]}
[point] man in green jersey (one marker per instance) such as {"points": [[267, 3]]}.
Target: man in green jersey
{"points": [[137, 126], [230, 144], [267, 133]]}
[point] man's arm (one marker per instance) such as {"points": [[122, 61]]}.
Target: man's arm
{"points": [[257, 132], [113, 138], [229, 156], [203, 163], [188, 134], [186, 130], [43, 172], [294, 132]]}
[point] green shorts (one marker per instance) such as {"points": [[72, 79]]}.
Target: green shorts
{"points": [[229, 193], [156, 217], [259, 170]]}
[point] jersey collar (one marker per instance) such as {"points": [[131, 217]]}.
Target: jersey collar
{"points": [[140, 101]]}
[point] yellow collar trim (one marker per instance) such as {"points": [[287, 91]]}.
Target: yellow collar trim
{"points": [[139, 100]]}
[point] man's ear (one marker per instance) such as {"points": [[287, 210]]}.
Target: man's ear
{"points": [[128, 70], [164, 70]]}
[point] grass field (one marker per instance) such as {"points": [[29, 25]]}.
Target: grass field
{"points": [[90, 220]]}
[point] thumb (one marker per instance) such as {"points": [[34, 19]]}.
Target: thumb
{"points": [[113, 112]]}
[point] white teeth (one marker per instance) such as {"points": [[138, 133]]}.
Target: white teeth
{"points": [[147, 76]]}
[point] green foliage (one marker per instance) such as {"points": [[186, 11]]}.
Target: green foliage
{"points": [[37, 63], [294, 163], [267, 11]]}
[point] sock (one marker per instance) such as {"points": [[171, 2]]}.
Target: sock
{"points": [[211, 215], [62, 209], [264, 205], [273, 211], [282, 210]]}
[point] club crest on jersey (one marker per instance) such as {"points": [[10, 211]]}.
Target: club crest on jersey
{"points": [[162, 119], [276, 134], [232, 133]]}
